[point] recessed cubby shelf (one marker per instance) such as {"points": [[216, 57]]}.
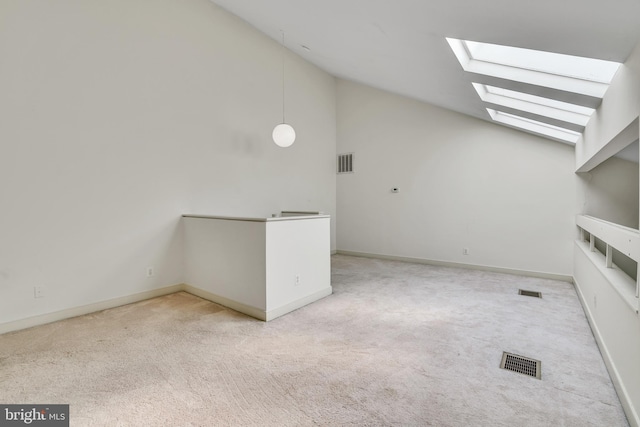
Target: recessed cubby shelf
{"points": [[604, 243]]}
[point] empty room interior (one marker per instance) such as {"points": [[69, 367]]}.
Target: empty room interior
{"points": [[250, 212]]}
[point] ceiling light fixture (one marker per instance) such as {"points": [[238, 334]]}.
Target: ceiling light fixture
{"points": [[283, 134]]}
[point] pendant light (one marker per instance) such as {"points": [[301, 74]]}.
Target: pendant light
{"points": [[283, 134]]}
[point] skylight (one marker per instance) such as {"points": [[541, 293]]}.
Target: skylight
{"points": [[578, 109], [537, 85], [585, 76], [576, 67], [534, 126], [547, 107]]}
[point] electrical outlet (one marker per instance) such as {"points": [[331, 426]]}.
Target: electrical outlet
{"points": [[465, 251], [38, 291], [297, 280], [150, 272]]}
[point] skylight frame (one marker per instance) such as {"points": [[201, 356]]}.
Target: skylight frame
{"points": [[503, 70], [551, 108], [548, 102], [534, 126], [576, 67], [571, 86]]}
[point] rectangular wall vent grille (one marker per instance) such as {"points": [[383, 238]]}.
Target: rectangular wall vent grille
{"points": [[521, 364], [534, 294], [345, 163]]}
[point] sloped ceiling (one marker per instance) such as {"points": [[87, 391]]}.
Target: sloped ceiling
{"points": [[400, 46]]}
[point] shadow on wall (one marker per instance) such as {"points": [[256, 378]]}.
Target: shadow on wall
{"points": [[610, 190]]}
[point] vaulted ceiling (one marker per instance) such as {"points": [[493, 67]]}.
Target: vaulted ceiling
{"points": [[400, 45]]}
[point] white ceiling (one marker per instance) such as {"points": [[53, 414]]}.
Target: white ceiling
{"points": [[400, 46]]}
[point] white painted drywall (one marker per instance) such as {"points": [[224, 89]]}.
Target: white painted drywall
{"points": [[610, 192], [117, 117], [227, 258], [262, 268], [508, 196], [617, 327], [620, 107], [297, 248]]}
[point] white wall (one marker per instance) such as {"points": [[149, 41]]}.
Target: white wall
{"points": [[610, 192], [297, 248], [616, 325], [227, 259], [616, 328], [118, 116], [506, 195], [263, 268], [620, 107]]}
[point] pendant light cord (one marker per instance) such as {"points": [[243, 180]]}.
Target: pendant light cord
{"points": [[283, 52]]}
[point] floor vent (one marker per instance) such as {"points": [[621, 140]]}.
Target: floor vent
{"points": [[345, 163], [530, 293], [521, 364]]}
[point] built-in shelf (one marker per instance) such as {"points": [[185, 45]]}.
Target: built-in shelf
{"points": [[624, 285], [625, 240]]}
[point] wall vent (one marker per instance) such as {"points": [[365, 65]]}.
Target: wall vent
{"points": [[345, 163]]}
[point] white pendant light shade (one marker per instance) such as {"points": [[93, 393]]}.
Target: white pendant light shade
{"points": [[284, 135]]}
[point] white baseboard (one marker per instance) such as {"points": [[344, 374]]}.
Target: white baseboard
{"points": [[86, 309], [623, 395], [526, 273], [129, 299], [234, 305], [256, 312], [288, 308]]}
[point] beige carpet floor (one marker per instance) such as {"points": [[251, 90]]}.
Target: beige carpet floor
{"points": [[396, 344]]}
